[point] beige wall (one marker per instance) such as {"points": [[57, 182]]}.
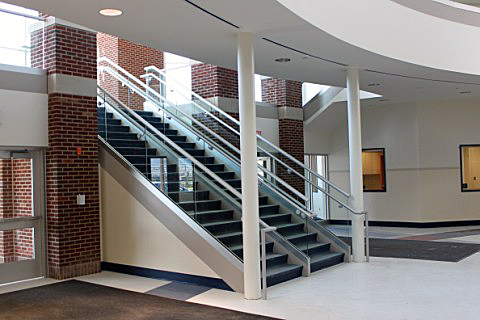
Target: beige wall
{"points": [[132, 236], [421, 144]]}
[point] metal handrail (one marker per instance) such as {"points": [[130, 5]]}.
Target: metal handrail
{"points": [[25, 15], [281, 151], [180, 150], [148, 98], [263, 241]]}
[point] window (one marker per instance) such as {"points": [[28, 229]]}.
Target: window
{"points": [[470, 167], [373, 168]]}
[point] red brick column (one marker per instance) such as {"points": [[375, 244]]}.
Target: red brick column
{"points": [[73, 231], [7, 250], [210, 81], [130, 56], [287, 94]]}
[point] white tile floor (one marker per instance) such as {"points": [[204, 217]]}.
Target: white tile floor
{"points": [[385, 288]]}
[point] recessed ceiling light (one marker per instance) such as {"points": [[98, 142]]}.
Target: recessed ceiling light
{"points": [[373, 84], [465, 92], [383, 100], [109, 12], [283, 60]]}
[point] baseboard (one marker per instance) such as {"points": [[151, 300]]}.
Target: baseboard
{"points": [[406, 224], [165, 275]]}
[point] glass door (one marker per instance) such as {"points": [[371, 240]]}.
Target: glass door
{"points": [[21, 215], [317, 200]]}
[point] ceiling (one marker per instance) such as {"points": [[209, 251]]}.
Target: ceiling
{"points": [[205, 30]]}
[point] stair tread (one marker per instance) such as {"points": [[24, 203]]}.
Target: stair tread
{"points": [[298, 235], [324, 255], [274, 215], [280, 268], [218, 223], [311, 245], [231, 234], [198, 201], [215, 211], [290, 224], [240, 246]]}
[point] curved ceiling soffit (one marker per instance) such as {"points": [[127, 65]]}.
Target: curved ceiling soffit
{"points": [[397, 38]]}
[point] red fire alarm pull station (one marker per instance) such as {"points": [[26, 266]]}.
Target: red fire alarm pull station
{"points": [[79, 151]]}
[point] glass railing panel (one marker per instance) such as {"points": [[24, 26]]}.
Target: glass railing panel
{"points": [[175, 174]]}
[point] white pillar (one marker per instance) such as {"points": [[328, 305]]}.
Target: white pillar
{"points": [[355, 155], [248, 151]]}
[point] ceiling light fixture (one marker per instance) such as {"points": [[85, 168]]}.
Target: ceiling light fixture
{"points": [[465, 92], [283, 60], [384, 100], [109, 12]]}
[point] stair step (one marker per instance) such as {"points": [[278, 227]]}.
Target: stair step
{"points": [[289, 228], [184, 196], [205, 160], [324, 260], [300, 238], [232, 238], [210, 216], [195, 152], [136, 151], [268, 209], [223, 227], [114, 128], [274, 259], [226, 175], [110, 121], [118, 135], [276, 218], [143, 113], [314, 248], [216, 167], [186, 145], [175, 138], [238, 249], [282, 272], [202, 205], [126, 143]]}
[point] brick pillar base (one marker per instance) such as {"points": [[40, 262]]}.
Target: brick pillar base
{"points": [[73, 231]]}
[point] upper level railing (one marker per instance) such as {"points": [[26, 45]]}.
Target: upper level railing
{"points": [[24, 31]]}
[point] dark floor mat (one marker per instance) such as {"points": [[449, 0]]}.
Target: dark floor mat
{"points": [[179, 290], [423, 250], [81, 300]]}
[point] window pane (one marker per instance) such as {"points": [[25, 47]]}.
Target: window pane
{"points": [[470, 168], [373, 165]]}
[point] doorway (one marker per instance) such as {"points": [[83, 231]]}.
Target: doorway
{"points": [[22, 208], [317, 200]]}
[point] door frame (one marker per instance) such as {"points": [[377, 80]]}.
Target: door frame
{"points": [[35, 268]]}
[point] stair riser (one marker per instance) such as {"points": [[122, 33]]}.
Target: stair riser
{"points": [[234, 226], [317, 249], [189, 196], [277, 220], [268, 248], [269, 210], [307, 238], [290, 230], [212, 217], [284, 276], [201, 206], [113, 128], [118, 135], [216, 167], [315, 266], [135, 151]]}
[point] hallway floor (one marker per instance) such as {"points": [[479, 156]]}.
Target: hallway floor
{"points": [[385, 288]]}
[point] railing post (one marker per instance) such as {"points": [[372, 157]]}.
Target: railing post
{"points": [[264, 264]]}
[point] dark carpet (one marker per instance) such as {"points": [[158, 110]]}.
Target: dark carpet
{"points": [[444, 235], [81, 300], [423, 250]]}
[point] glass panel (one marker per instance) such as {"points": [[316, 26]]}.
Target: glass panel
{"points": [[24, 36], [17, 245], [373, 168], [470, 168], [16, 185]]}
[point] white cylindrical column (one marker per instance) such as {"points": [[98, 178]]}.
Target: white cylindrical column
{"points": [[355, 157], [248, 151]]}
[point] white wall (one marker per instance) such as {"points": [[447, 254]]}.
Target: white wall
{"points": [[132, 236], [23, 119], [422, 160]]}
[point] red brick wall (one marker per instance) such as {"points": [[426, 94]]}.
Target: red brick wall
{"points": [[287, 93], [211, 81], [73, 231], [130, 56]]}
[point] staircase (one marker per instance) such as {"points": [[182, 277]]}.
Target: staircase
{"points": [[213, 214]]}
